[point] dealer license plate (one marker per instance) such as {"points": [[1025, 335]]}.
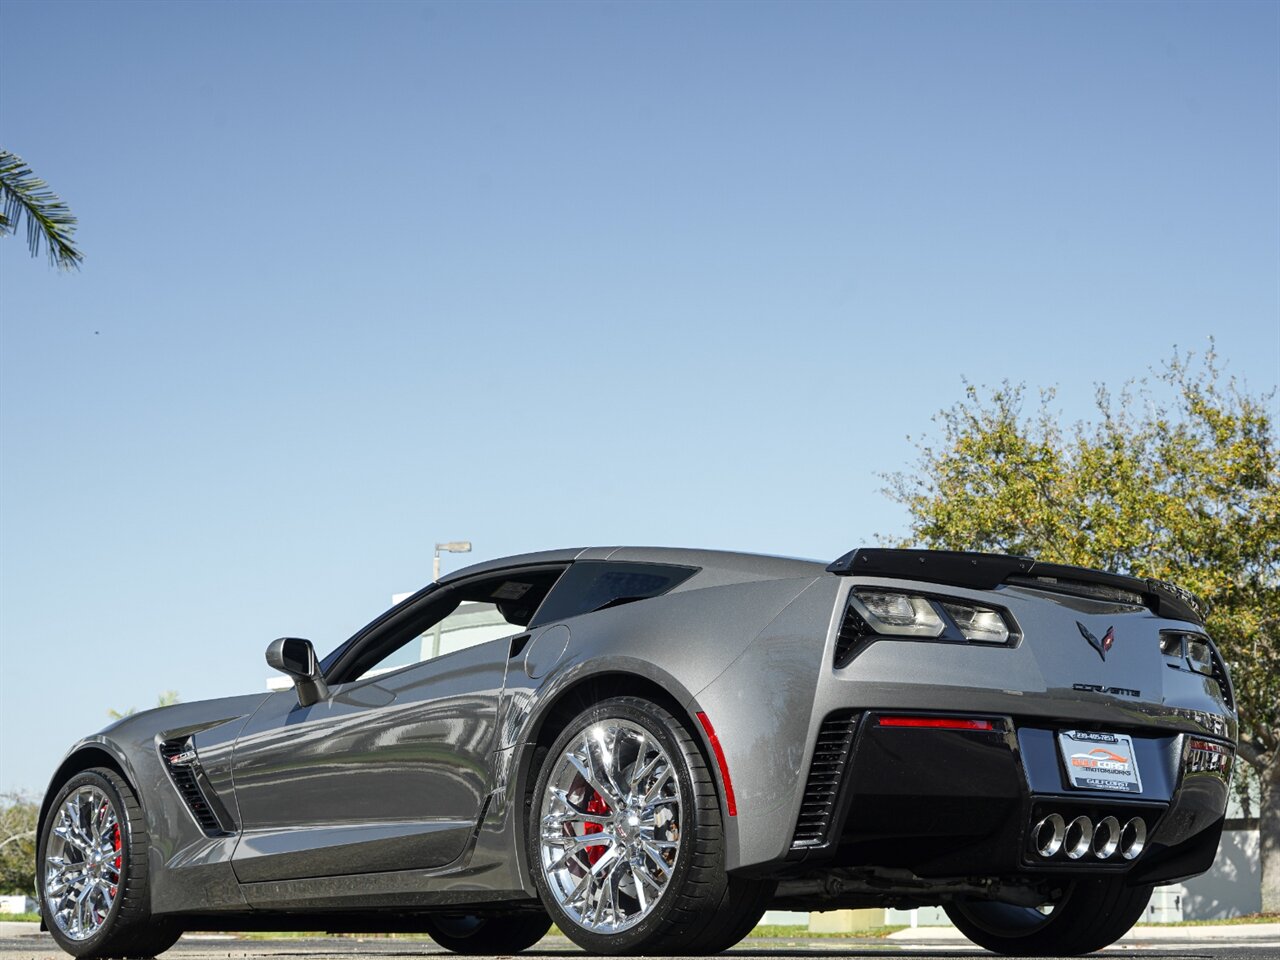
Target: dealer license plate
{"points": [[1100, 761]]}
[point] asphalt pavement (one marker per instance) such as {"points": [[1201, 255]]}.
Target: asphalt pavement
{"points": [[1244, 942]]}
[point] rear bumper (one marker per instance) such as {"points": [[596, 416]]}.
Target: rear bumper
{"points": [[772, 704], [962, 803]]}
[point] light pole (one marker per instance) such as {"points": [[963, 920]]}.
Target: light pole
{"points": [[453, 546]]}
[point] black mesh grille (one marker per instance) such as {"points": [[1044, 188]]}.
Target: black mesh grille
{"points": [[853, 630], [184, 778], [830, 757]]}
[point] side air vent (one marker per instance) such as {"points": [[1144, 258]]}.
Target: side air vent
{"points": [[826, 772], [1184, 650], [179, 757], [1224, 683], [853, 630]]}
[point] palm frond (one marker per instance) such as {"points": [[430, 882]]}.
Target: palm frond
{"points": [[49, 220]]}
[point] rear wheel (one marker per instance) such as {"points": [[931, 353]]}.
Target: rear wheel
{"points": [[93, 880], [1090, 915], [505, 934], [625, 836]]}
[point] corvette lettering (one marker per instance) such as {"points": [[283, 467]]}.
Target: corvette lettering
{"points": [[1114, 691]]}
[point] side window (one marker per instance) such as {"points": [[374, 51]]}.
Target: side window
{"points": [[472, 623], [444, 620], [596, 584]]}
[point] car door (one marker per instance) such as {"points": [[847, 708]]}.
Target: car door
{"points": [[392, 770]]}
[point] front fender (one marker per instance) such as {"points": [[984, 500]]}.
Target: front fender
{"points": [[85, 754]]}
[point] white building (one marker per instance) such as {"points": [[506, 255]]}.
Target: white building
{"points": [[17, 904]]}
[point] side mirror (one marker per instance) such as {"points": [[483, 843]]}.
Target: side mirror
{"points": [[296, 658]]}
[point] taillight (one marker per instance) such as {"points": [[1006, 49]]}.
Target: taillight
{"points": [[899, 614], [1198, 656], [892, 613], [980, 624]]}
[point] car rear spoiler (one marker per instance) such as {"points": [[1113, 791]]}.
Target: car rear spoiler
{"points": [[986, 571]]}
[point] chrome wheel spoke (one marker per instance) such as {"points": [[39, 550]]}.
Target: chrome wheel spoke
{"points": [[71, 837], [639, 773], [610, 884], [613, 764], [61, 880], [103, 820], [569, 856], [647, 878], [638, 877], [582, 892], [655, 789], [610, 825], [575, 816], [579, 841], [82, 918], [661, 844], [656, 859], [637, 770], [586, 770]]}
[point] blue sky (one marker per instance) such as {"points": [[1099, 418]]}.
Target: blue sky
{"points": [[360, 277]]}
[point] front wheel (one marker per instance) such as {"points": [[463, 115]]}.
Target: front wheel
{"points": [[1090, 915], [93, 871]]}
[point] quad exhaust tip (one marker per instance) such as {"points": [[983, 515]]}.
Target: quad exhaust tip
{"points": [[1048, 834], [1080, 837], [1106, 837], [1133, 838]]}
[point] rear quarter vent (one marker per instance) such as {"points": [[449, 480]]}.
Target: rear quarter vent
{"points": [[827, 771]]}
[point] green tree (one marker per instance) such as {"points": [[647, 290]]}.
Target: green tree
{"points": [[1176, 477], [50, 222], [166, 699], [18, 814]]}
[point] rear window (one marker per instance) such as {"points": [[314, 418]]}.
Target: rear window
{"points": [[591, 585]]}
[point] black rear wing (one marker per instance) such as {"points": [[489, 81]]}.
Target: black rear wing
{"points": [[986, 571]]}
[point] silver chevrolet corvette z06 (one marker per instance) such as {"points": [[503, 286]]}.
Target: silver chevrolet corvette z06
{"points": [[649, 747]]}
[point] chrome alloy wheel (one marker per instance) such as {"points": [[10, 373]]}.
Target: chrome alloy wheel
{"points": [[610, 826], [83, 863]]}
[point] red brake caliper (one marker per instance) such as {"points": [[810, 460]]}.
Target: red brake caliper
{"points": [[115, 845], [595, 805]]}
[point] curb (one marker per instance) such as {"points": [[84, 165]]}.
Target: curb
{"points": [[1144, 933], [1218, 931]]}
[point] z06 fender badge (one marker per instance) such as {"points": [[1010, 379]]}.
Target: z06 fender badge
{"points": [[1103, 645]]}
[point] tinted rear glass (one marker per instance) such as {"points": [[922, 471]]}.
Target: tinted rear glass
{"points": [[595, 584]]}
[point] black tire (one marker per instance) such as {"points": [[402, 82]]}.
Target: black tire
{"points": [[493, 934], [691, 913], [745, 902], [1092, 914], [128, 929]]}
